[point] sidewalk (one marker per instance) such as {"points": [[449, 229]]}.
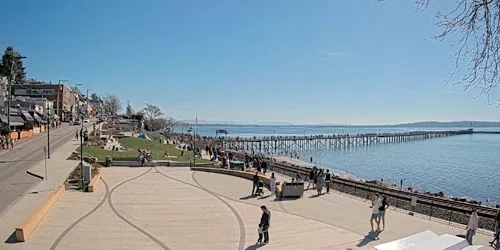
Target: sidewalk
{"points": [[58, 169], [22, 142]]}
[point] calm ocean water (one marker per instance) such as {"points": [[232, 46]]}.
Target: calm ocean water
{"points": [[459, 166]]}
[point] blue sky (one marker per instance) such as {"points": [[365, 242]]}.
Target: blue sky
{"points": [[357, 62]]}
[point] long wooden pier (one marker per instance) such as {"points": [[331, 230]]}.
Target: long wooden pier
{"points": [[290, 144]]}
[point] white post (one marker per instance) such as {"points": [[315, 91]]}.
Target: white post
{"points": [[45, 160]]}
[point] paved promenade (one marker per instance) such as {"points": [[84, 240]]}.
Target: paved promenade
{"points": [[174, 208]]}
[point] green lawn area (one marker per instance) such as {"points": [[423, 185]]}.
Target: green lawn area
{"points": [[132, 144]]}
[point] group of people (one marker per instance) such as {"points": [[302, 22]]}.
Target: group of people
{"points": [[6, 142], [144, 156], [319, 179], [379, 206], [259, 163]]}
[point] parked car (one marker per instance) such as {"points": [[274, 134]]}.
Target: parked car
{"points": [[77, 122], [86, 120]]}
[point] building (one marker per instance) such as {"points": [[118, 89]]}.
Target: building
{"points": [[3, 94], [63, 97], [37, 104]]}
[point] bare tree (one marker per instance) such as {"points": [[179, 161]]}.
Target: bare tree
{"points": [[152, 115], [151, 112], [477, 24], [112, 105]]}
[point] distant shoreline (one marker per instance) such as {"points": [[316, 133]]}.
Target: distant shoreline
{"points": [[423, 124]]}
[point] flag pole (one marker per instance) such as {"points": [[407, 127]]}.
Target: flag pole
{"points": [[194, 140]]}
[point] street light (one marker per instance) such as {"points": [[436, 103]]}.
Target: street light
{"points": [[12, 80]]}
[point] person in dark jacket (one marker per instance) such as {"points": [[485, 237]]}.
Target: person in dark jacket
{"points": [[328, 179], [255, 180], [264, 166], [265, 220]]}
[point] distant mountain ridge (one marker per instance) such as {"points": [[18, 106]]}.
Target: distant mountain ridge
{"points": [[422, 124]]}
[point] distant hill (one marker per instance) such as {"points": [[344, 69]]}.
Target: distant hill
{"points": [[458, 124]]}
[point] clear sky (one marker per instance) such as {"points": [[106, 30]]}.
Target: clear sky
{"points": [[357, 62]]}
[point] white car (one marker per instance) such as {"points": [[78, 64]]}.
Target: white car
{"points": [[86, 120]]}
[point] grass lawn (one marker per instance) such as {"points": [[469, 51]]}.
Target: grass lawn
{"points": [[132, 144]]}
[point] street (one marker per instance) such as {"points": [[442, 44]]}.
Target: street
{"points": [[14, 182]]}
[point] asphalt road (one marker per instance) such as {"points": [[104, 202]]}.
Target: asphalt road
{"points": [[14, 182]]}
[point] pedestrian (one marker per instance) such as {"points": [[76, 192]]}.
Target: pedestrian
{"points": [[298, 178], [472, 226], [328, 178], [11, 143], [264, 166], [265, 220], [320, 182], [311, 159], [272, 183], [261, 234], [255, 180], [315, 180], [382, 209], [376, 203], [311, 178], [497, 229], [76, 135]]}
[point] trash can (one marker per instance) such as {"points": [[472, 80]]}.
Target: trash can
{"points": [[108, 160]]}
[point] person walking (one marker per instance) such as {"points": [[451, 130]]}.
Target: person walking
{"points": [[472, 226], [320, 182], [328, 178], [376, 203], [311, 178], [272, 183], [265, 220], [76, 135], [255, 181], [382, 209], [264, 166], [11, 143]]}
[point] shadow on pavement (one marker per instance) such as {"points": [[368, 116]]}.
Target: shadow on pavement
{"points": [[256, 246], [248, 197], [12, 238], [371, 236]]}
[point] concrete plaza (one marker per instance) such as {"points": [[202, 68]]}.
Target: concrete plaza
{"points": [[175, 208]]}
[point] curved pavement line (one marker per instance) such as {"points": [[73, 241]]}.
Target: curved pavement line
{"points": [[241, 244], [63, 234], [110, 203], [281, 206]]}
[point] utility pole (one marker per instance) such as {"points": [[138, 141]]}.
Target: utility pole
{"points": [[11, 81]]}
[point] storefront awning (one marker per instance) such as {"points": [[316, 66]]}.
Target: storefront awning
{"points": [[27, 116], [15, 120], [37, 118]]}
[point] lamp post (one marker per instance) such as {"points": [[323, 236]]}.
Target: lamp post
{"points": [[11, 81], [48, 133]]}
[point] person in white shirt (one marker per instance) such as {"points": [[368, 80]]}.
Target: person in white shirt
{"points": [[376, 203], [472, 226]]}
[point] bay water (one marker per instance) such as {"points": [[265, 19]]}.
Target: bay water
{"points": [[465, 165]]}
